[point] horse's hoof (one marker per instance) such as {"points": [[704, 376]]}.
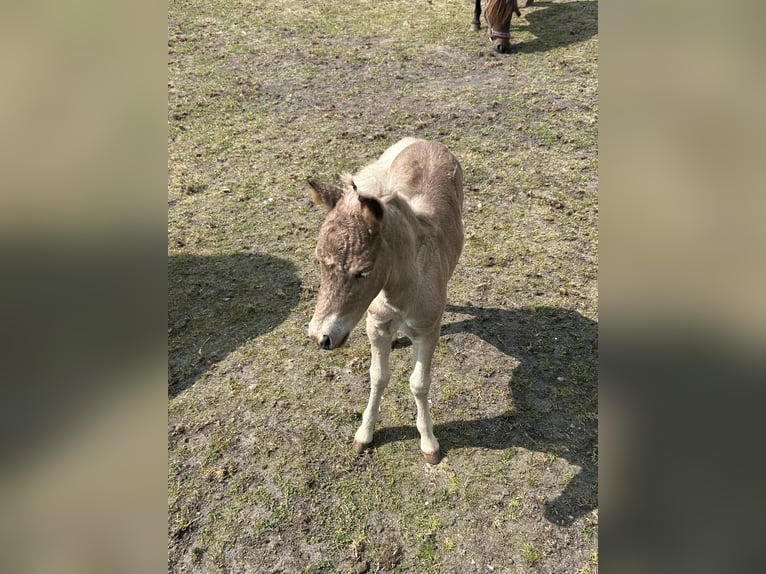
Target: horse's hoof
{"points": [[475, 27], [432, 457], [360, 447]]}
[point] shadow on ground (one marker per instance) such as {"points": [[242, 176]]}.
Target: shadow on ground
{"points": [[555, 25], [216, 303], [554, 390]]}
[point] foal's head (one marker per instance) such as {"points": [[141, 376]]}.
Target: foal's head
{"points": [[498, 14], [347, 252]]}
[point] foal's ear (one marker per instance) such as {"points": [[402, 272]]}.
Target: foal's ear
{"points": [[325, 194], [372, 206]]}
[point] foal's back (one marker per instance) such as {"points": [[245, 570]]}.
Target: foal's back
{"points": [[429, 176], [422, 171]]}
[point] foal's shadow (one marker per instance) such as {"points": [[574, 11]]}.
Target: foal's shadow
{"points": [[554, 392], [217, 302]]}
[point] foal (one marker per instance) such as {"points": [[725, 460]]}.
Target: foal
{"points": [[389, 244]]}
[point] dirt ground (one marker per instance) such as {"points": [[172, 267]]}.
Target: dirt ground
{"points": [[261, 474]]}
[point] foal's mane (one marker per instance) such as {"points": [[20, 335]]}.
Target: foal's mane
{"points": [[373, 181], [499, 12]]}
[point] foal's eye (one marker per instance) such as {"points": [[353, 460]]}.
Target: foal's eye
{"points": [[363, 273]]}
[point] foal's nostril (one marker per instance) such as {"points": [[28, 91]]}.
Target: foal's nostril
{"points": [[326, 342]]}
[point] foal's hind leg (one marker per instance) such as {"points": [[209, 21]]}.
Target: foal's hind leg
{"points": [[475, 23], [380, 336], [420, 383]]}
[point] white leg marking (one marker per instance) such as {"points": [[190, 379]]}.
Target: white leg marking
{"points": [[420, 383], [380, 346]]}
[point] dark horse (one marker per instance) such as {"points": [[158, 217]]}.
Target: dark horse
{"points": [[498, 15]]}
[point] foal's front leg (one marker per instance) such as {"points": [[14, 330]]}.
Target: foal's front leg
{"points": [[420, 383], [380, 336]]}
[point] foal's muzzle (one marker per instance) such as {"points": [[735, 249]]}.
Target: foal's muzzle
{"points": [[329, 332], [328, 343]]}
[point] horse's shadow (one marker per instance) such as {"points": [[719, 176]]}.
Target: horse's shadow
{"points": [[555, 25], [554, 392], [216, 303]]}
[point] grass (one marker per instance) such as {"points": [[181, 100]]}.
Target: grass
{"points": [[530, 553], [590, 566], [261, 475]]}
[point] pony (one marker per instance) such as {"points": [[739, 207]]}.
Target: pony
{"points": [[498, 14], [388, 245]]}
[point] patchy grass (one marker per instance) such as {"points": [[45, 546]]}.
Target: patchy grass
{"points": [[529, 553], [261, 476]]}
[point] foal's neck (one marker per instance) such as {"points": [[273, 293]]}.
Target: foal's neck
{"points": [[400, 237]]}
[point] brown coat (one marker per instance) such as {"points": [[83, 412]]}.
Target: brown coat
{"points": [[389, 244]]}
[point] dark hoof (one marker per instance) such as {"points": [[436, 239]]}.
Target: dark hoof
{"points": [[360, 447], [433, 457], [475, 26]]}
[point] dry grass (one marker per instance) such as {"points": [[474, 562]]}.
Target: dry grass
{"points": [[261, 473]]}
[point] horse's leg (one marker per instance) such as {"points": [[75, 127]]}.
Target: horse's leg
{"points": [[529, 3], [475, 24], [380, 346], [420, 382]]}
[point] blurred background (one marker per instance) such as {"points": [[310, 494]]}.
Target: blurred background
{"points": [[83, 266], [681, 281]]}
